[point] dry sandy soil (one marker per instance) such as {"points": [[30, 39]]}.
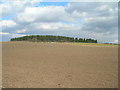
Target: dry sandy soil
{"points": [[58, 65]]}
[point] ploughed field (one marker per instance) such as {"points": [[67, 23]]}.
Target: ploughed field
{"points": [[58, 65]]}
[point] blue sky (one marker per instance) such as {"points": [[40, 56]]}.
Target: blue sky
{"points": [[43, 4], [7, 17], [75, 19]]}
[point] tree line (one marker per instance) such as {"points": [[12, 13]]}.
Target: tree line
{"points": [[51, 38]]}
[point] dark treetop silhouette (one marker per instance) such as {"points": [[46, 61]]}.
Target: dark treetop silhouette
{"points": [[51, 38]]}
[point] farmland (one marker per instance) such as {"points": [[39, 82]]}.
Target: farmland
{"points": [[59, 65]]}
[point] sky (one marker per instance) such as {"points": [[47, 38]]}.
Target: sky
{"points": [[96, 20]]}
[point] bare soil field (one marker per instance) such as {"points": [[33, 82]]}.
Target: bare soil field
{"points": [[58, 65]]}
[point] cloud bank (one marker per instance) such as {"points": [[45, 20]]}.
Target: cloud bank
{"points": [[75, 19]]}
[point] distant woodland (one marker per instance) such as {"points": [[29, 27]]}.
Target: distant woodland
{"points": [[51, 38]]}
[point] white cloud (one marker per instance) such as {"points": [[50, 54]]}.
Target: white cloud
{"points": [[11, 7], [43, 14], [92, 8], [84, 19], [4, 33], [101, 24], [10, 26], [17, 35], [21, 31], [49, 28], [7, 23], [97, 17], [56, 26]]}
